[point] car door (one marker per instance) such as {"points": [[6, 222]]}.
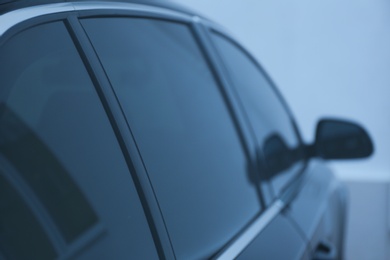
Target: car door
{"points": [[191, 139], [319, 210], [278, 148], [66, 188], [315, 199], [189, 144]]}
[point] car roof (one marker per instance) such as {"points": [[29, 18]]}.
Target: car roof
{"points": [[10, 5]]}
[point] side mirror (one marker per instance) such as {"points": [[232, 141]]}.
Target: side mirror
{"points": [[338, 139]]}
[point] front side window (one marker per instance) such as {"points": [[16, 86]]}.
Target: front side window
{"points": [[183, 130], [277, 139], [65, 189]]}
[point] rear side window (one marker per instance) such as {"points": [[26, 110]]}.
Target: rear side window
{"points": [[183, 129], [277, 139], [65, 189]]}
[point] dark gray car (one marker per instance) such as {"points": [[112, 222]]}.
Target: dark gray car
{"points": [[140, 130]]}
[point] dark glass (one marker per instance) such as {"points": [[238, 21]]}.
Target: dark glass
{"points": [[183, 129], [42, 171], [21, 235], [63, 156], [275, 134]]}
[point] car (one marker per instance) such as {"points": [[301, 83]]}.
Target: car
{"points": [[142, 130]]}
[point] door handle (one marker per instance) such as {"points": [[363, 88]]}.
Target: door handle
{"points": [[325, 251]]}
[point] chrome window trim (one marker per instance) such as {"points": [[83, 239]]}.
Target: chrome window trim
{"points": [[81, 6], [243, 241], [12, 18]]}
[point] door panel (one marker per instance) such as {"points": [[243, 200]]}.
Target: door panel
{"points": [[319, 209], [279, 240]]}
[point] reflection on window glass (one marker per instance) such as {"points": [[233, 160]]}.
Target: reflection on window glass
{"points": [[182, 127], [271, 123], [23, 143], [63, 158], [21, 236], [49, 180], [278, 155]]}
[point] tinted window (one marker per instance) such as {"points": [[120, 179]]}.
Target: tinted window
{"points": [[21, 234], [65, 186], [271, 123], [184, 132]]}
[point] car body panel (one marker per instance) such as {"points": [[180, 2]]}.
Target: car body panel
{"points": [[319, 208]]}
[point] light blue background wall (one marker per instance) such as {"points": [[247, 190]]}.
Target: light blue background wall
{"points": [[328, 58]]}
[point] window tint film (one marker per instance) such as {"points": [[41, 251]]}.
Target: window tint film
{"points": [[65, 187], [183, 129], [271, 123]]}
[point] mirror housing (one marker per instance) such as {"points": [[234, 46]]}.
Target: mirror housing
{"points": [[339, 139]]}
